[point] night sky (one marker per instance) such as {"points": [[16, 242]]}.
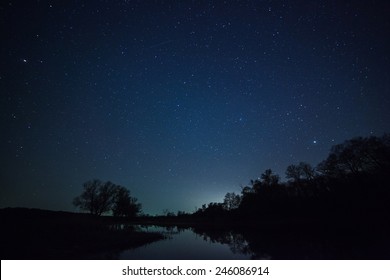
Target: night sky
{"points": [[182, 101]]}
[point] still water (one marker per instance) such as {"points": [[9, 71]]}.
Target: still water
{"points": [[184, 244], [293, 243]]}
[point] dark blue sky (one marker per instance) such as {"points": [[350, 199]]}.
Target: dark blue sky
{"points": [[182, 101]]}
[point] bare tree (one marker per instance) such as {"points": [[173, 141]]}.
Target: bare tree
{"points": [[358, 155], [90, 197], [100, 197], [294, 172]]}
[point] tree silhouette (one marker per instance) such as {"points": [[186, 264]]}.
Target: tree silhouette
{"points": [[302, 171], [256, 185], [358, 155], [124, 205], [97, 197], [308, 172], [231, 201], [246, 190], [269, 178], [347, 193], [100, 197], [293, 172]]}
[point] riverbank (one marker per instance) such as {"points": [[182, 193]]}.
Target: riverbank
{"points": [[43, 234]]}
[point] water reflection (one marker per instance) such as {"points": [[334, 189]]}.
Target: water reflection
{"points": [[235, 241], [289, 244], [292, 243], [298, 244], [184, 243]]}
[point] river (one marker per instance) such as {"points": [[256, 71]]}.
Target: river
{"points": [[182, 244]]}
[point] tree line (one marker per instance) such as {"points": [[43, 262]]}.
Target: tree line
{"points": [[350, 183]]}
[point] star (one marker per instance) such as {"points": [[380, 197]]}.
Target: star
{"points": [[221, 100]]}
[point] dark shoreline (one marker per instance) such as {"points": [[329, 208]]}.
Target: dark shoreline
{"points": [[43, 234]]}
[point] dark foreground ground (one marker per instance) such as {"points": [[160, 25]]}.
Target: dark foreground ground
{"points": [[42, 234]]}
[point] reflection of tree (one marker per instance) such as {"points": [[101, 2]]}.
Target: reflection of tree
{"points": [[235, 241], [121, 226], [304, 242], [238, 244]]}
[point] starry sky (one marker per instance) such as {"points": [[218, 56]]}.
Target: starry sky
{"points": [[182, 101]]}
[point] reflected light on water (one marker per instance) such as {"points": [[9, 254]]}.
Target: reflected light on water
{"points": [[182, 245]]}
